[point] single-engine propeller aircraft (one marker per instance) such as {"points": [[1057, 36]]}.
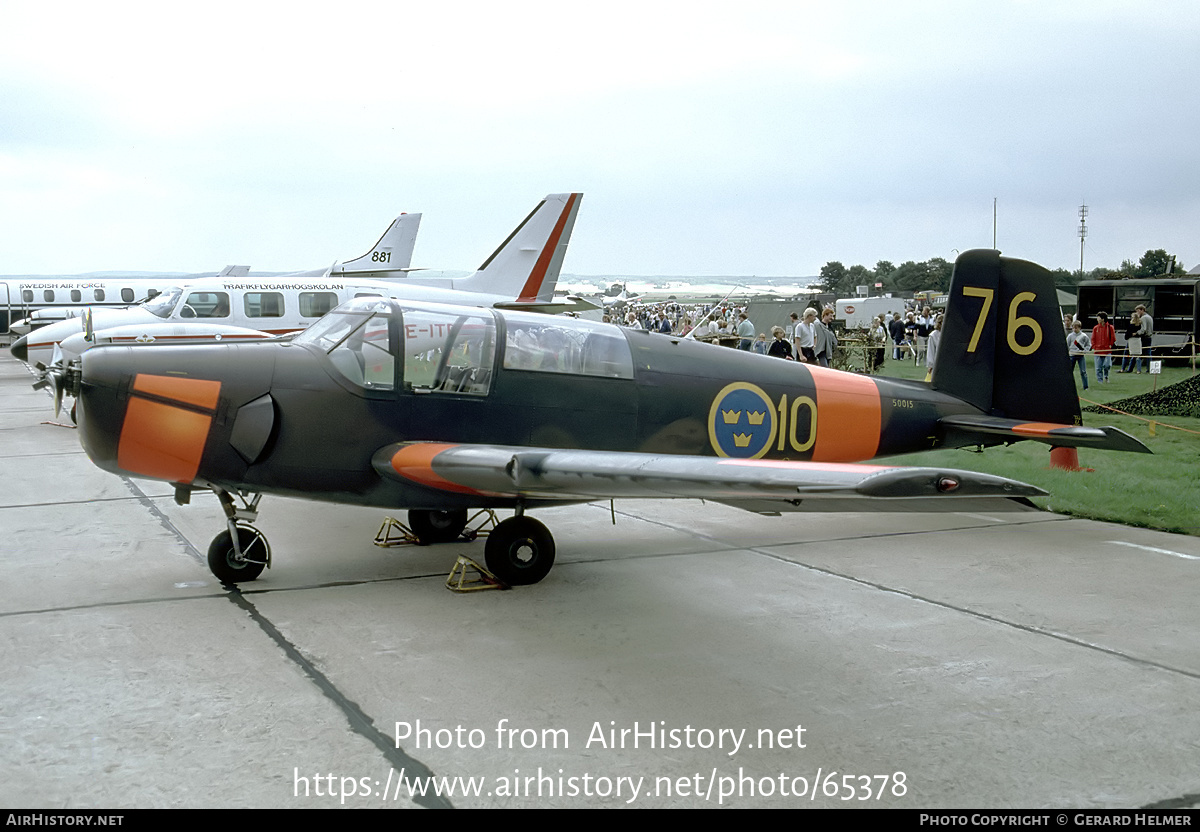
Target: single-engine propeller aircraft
{"points": [[439, 409]]}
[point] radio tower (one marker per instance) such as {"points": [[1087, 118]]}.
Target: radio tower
{"points": [[1082, 235]]}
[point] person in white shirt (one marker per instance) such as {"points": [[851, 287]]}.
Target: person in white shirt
{"points": [[1078, 345]]}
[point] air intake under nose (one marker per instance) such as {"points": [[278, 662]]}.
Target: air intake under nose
{"points": [[252, 428]]}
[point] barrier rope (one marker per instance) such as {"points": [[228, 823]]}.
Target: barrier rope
{"points": [[1118, 354], [1155, 422]]}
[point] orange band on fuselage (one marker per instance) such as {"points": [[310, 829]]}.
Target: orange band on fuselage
{"points": [[200, 392], [161, 441], [415, 462], [849, 416]]}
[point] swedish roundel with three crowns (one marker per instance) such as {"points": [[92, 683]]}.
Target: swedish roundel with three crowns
{"points": [[741, 421]]}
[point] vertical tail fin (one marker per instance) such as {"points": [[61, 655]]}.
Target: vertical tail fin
{"points": [[1002, 346], [393, 252], [527, 264]]}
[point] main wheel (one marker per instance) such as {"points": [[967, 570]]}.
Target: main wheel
{"points": [[519, 551], [437, 526], [225, 563]]}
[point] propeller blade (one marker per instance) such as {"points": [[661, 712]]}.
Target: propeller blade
{"points": [[57, 380]]}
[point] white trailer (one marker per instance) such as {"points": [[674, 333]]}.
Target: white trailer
{"points": [[858, 312]]}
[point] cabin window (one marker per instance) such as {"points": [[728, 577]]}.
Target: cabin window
{"points": [[560, 345], [98, 294], [206, 305], [76, 296], [448, 352], [127, 295], [264, 304], [48, 294], [27, 295], [316, 304]]}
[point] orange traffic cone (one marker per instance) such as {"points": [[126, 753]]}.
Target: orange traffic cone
{"points": [[1066, 459]]}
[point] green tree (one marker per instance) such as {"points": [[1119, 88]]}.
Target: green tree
{"points": [[939, 272], [834, 278], [1062, 277], [1153, 263], [910, 276], [859, 275]]}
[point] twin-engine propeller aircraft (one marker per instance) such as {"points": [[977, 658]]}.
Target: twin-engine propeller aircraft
{"points": [[439, 409], [520, 274], [45, 301]]}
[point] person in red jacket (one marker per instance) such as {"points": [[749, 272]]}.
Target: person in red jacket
{"points": [[1104, 338]]}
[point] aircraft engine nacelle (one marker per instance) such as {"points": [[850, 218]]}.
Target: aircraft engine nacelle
{"points": [[148, 411]]}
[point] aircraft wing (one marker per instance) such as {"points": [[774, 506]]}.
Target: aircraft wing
{"points": [[764, 486]]}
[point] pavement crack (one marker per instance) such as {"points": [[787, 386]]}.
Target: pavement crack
{"points": [[360, 723]]}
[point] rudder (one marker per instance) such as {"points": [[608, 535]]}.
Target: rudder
{"points": [[1002, 347]]}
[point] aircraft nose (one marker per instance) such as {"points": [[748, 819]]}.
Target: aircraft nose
{"points": [[100, 411], [20, 349], [144, 423]]}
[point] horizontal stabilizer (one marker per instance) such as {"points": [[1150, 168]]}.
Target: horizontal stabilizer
{"points": [[574, 476], [557, 307], [1068, 436]]}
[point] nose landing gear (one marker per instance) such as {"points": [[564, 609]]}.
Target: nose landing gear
{"points": [[241, 552]]}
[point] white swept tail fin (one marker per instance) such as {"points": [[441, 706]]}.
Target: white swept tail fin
{"points": [[393, 252], [527, 264]]}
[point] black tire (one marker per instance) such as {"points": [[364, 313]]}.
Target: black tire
{"points": [[519, 551], [437, 526], [223, 560]]}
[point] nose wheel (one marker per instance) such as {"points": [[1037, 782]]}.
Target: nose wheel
{"points": [[232, 564], [241, 552]]}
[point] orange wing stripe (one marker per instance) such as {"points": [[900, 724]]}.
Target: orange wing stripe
{"points": [[415, 462]]}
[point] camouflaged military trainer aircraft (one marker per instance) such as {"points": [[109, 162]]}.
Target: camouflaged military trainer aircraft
{"points": [[439, 409]]}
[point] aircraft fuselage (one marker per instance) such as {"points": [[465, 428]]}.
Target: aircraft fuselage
{"points": [[307, 418]]}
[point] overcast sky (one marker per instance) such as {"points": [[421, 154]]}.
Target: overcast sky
{"points": [[708, 139]]}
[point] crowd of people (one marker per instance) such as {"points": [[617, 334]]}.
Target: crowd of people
{"points": [[808, 337], [1102, 344], [914, 333]]}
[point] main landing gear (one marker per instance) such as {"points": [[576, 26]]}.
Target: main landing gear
{"points": [[437, 526], [518, 551], [241, 552]]}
